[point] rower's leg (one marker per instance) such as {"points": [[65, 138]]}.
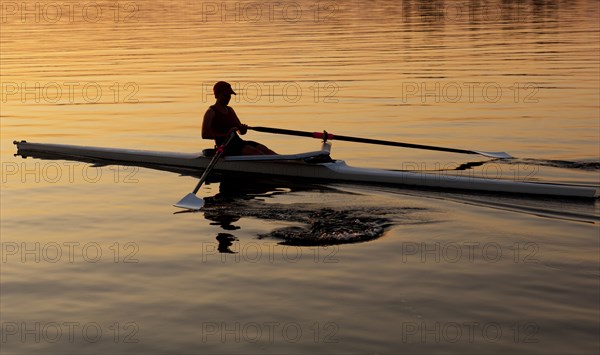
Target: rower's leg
{"points": [[265, 150], [258, 149], [250, 150]]}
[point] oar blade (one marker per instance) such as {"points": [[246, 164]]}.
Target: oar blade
{"points": [[497, 155], [190, 202]]}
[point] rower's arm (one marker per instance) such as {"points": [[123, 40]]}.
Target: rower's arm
{"points": [[207, 124], [241, 127], [207, 131]]}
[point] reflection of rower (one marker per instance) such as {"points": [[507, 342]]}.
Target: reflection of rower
{"points": [[225, 241], [218, 210], [222, 210], [248, 188]]}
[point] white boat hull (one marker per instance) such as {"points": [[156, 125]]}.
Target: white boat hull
{"points": [[295, 166]]}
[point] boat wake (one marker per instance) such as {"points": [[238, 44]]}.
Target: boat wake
{"points": [[587, 165], [312, 223], [320, 227]]}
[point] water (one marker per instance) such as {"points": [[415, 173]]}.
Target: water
{"points": [[94, 260]]}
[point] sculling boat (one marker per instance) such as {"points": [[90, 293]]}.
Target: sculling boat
{"points": [[315, 165]]}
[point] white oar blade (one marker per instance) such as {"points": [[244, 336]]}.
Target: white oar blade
{"points": [[498, 155], [190, 202]]}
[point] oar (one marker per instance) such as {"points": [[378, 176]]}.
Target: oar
{"points": [[328, 136], [191, 201]]}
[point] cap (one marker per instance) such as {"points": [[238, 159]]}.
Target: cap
{"points": [[221, 87]]}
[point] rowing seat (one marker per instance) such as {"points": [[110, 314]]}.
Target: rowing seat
{"points": [[209, 152]]}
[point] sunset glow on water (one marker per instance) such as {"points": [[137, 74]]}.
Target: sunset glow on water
{"points": [[97, 255]]}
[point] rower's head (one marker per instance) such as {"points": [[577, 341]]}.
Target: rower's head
{"points": [[223, 92]]}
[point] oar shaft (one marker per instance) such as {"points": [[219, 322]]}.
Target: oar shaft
{"points": [[191, 201], [400, 144], [323, 135], [220, 151]]}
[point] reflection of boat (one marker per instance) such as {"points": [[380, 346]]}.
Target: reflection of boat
{"points": [[313, 165]]}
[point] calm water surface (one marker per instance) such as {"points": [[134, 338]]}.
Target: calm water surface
{"points": [[95, 261]]}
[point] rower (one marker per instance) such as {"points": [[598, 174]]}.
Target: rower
{"points": [[220, 120]]}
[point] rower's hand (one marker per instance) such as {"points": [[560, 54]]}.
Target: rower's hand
{"points": [[243, 129]]}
